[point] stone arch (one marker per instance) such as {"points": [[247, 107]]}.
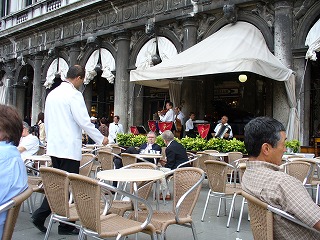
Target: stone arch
{"points": [[253, 19], [163, 32], [47, 63], [90, 50], [304, 27]]}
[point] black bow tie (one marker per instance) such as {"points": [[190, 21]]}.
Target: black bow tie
{"points": [[116, 123]]}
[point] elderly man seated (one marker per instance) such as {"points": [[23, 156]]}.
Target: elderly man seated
{"points": [[265, 142], [29, 144], [150, 145]]}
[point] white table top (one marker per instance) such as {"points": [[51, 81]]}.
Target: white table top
{"points": [[38, 158], [130, 175], [147, 155]]}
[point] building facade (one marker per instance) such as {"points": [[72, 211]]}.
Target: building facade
{"points": [[40, 39]]}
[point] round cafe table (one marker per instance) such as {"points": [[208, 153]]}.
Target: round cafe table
{"points": [[133, 176]]}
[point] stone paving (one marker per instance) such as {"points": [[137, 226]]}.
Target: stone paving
{"points": [[213, 227]]}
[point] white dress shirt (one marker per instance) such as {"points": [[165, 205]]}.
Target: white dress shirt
{"points": [[114, 129], [181, 117], [31, 144], [66, 116], [189, 125], [168, 117]]}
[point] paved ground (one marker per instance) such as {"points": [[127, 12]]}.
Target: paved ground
{"points": [[212, 228]]}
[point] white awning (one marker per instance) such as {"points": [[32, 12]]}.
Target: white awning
{"points": [[234, 48], [3, 89], [166, 51], [313, 41], [58, 66], [238, 47], [108, 64]]}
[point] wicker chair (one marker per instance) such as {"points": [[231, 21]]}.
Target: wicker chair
{"points": [[86, 164], [56, 187], [202, 157], [298, 169], [35, 183], [117, 149], [186, 189], [13, 208], [217, 173], [233, 156], [105, 159], [144, 188], [211, 151], [87, 196], [261, 218], [128, 159]]}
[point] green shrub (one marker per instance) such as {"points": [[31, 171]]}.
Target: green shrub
{"points": [[193, 144], [294, 145]]}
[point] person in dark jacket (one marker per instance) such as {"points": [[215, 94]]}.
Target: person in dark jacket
{"points": [[175, 152]]}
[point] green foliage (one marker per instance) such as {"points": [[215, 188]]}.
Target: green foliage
{"points": [[125, 139], [191, 144], [294, 145], [215, 144], [160, 141], [138, 140]]}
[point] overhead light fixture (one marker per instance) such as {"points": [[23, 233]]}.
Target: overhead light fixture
{"points": [[243, 78]]}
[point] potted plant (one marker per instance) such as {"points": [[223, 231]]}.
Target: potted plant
{"points": [[293, 146]]}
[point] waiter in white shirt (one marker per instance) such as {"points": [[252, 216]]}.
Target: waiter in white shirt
{"points": [[114, 129]]}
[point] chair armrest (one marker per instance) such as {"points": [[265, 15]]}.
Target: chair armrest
{"points": [[290, 218], [6, 206], [187, 162], [87, 163]]}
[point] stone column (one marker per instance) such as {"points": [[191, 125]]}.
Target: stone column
{"points": [[282, 50], [188, 94], [121, 85], [37, 89], [10, 70], [74, 54], [19, 91]]}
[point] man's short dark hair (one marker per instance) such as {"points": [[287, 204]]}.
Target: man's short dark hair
{"points": [[76, 71], [191, 114], [259, 131], [170, 104], [116, 116]]}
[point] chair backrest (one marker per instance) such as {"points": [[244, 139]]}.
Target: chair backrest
{"points": [[144, 188], [42, 150], [128, 159], [298, 169], [106, 159], [211, 151], [233, 156], [261, 219], [163, 152], [202, 157], [187, 184], [86, 164], [13, 213], [56, 187], [313, 167], [87, 197], [117, 149], [217, 173]]}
